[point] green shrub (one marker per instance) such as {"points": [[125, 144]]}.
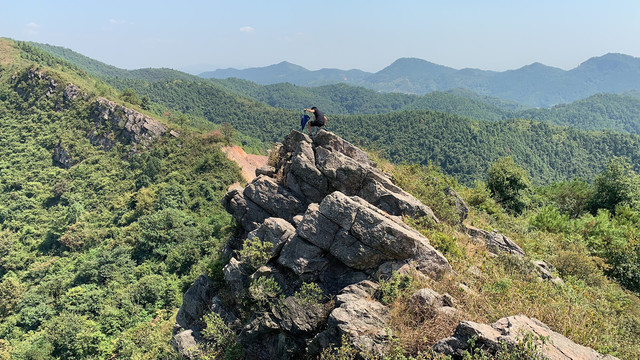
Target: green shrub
{"points": [[569, 197], [221, 340], [264, 291], [391, 288], [255, 252], [626, 267], [550, 219], [309, 294], [509, 184], [528, 347]]}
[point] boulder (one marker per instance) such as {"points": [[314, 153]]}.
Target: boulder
{"points": [[343, 173], [359, 319], [303, 258], [388, 197], [186, 344], [247, 213], [508, 331], [236, 275], [273, 198], [276, 231], [195, 302], [496, 243], [332, 142], [266, 170], [317, 228]]}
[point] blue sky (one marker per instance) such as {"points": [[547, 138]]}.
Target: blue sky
{"points": [[368, 35]]}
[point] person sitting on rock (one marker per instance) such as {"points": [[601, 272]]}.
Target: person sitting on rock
{"points": [[319, 121]]}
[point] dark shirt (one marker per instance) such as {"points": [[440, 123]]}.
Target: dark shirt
{"points": [[319, 116]]}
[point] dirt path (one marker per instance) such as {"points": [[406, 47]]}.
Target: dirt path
{"points": [[247, 162]]}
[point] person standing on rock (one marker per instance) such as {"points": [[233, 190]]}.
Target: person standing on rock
{"points": [[319, 121]]}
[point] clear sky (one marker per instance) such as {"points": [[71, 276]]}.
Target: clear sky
{"points": [[347, 34]]}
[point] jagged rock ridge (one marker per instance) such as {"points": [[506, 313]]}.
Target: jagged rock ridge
{"points": [[333, 219], [115, 123]]}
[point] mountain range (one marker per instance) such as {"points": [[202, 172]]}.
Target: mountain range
{"points": [[536, 85]]}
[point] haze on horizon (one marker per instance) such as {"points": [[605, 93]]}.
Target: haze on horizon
{"points": [[202, 35]]}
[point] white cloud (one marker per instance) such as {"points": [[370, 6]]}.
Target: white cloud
{"points": [[116, 21], [247, 29], [32, 28]]}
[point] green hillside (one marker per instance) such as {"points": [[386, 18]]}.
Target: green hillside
{"points": [[100, 69], [460, 146], [99, 236], [598, 112]]}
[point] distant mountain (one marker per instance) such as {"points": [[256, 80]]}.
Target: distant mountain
{"points": [[286, 72], [535, 85]]}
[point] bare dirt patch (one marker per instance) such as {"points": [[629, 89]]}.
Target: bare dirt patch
{"points": [[247, 162]]}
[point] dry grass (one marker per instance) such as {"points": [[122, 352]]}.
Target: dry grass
{"points": [[597, 313], [7, 51]]}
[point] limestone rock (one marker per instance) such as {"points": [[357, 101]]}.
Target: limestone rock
{"points": [[508, 330], [308, 207], [273, 198], [128, 125], [303, 258], [71, 92], [186, 345], [195, 302], [358, 317], [276, 231], [61, 156], [495, 242]]}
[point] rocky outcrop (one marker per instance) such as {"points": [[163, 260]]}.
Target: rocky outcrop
{"points": [[115, 123], [61, 156], [496, 243], [332, 219], [358, 318], [508, 331]]}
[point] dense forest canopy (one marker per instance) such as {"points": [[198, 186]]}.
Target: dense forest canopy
{"points": [[97, 245]]}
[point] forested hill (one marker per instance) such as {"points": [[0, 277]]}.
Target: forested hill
{"points": [[100, 69], [597, 112], [618, 112], [103, 223], [464, 148], [534, 85]]}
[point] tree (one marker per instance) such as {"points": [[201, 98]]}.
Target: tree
{"points": [[618, 184], [145, 104], [509, 184], [130, 96]]}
